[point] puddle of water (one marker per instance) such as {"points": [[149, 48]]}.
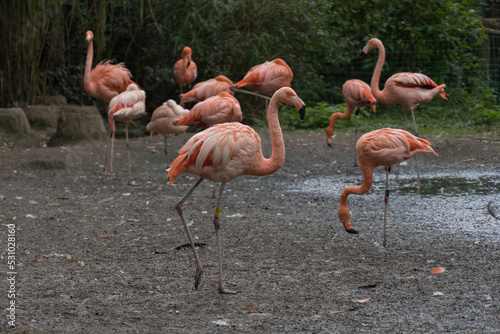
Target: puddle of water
{"points": [[435, 184]]}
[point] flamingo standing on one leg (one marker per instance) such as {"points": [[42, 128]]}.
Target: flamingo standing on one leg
{"points": [[185, 70], [205, 89], [125, 107], [406, 89], [162, 118], [225, 151], [104, 82], [383, 147], [357, 94]]}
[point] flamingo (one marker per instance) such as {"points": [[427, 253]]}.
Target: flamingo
{"points": [[125, 107], [268, 77], [104, 82], [162, 118], [185, 70], [357, 94], [205, 89], [217, 109], [406, 89], [224, 151], [383, 147]]}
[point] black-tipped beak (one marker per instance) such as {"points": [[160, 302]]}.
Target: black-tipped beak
{"points": [[329, 145], [302, 112], [365, 55], [232, 87], [352, 231]]}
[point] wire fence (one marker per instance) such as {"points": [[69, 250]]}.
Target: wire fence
{"points": [[482, 65]]}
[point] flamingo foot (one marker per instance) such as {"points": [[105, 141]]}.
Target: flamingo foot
{"points": [[197, 276], [105, 172], [132, 183], [355, 164], [223, 290], [352, 231]]}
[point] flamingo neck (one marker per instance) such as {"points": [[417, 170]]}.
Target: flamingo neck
{"points": [[88, 66], [343, 213], [345, 115], [376, 73], [269, 166]]}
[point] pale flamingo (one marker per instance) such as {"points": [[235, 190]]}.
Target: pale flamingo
{"points": [[383, 147], [225, 151], [185, 70], [217, 109], [357, 94], [162, 118], [125, 107], [104, 82], [406, 89], [205, 89]]}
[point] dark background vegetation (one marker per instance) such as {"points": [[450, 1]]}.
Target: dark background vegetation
{"points": [[44, 50]]}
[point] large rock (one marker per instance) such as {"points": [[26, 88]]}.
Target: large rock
{"points": [[77, 124], [13, 121], [15, 128], [43, 117]]}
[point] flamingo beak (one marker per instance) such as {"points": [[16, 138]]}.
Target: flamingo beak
{"points": [[302, 112]]}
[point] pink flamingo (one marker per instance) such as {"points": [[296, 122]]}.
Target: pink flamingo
{"points": [[125, 107], [205, 89], [268, 77], [104, 82], [383, 147], [185, 70], [162, 118], [225, 151], [406, 89], [217, 109], [357, 94]]}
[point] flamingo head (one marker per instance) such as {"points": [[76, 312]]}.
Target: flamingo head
{"points": [[186, 53], [89, 35], [345, 218], [373, 43]]}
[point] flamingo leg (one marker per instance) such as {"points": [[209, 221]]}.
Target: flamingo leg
{"points": [[178, 208], [386, 200], [130, 183], [165, 150], [355, 137], [110, 172], [416, 134], [222, 289]]}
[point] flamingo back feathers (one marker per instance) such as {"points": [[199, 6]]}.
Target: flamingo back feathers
{"points": [[219, 153]]}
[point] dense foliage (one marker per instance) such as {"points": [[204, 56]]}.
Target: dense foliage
{"points": [[45, 45]]}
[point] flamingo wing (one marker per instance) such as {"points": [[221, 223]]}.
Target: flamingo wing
{"points": [[358, 94], [111, 78], [219, 153]]}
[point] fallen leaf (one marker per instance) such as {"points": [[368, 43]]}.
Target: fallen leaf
{"points": [[364, 300], [68, 256], [438, 293], [81, 263], [438, 270], [81, 196], [104, 235]]}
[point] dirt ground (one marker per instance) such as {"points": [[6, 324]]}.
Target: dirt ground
{"points": [[93, 255]]}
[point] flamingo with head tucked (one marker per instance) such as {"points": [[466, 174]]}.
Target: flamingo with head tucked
{"points": [[225, 151], [162, 121], [125, 107], [383, 147], [205, 89], [357, 94]]}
